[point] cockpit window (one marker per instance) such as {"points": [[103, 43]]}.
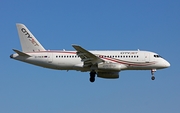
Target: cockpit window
{"points": [[157, 56]]}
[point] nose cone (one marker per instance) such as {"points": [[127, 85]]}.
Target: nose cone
{"points": [[166, 63]]}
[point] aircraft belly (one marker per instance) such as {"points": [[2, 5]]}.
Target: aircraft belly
{"points": [[67, 64]]}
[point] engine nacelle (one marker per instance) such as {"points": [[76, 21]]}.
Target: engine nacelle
{"points": [[109, 67], [108, 75]]}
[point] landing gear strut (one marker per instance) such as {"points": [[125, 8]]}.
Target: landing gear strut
{"points": [[92, 76], [152, 73]]}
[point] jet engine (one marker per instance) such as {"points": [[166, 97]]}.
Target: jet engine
{"points": [[108, 75], [109, 70], [109, 67]]}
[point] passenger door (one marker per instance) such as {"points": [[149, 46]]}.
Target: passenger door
{"points": [[49, 57], [146, 57]]}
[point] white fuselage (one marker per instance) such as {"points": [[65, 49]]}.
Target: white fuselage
{"points": [[68, 60], [104, 64]]}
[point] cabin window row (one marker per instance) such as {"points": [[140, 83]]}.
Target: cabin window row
{"points": [[67, 56], [115, 56], [101, 56]]}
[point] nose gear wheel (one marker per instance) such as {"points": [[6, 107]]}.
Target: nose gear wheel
{"points": [[152, 73]]}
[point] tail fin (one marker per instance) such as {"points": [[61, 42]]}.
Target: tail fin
{"points": [[28, 42]]}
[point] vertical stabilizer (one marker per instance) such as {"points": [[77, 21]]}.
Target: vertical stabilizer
{"points": [[28, 42]]}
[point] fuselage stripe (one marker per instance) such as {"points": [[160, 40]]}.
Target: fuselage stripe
{"points": [[105, 58]]}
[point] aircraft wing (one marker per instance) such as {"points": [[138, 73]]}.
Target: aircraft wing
{"points": [[87, 57]]}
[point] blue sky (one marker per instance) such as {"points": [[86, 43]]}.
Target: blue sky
{"points": [[96, 25]]}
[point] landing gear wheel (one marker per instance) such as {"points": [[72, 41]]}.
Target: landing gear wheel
{"points": [[153, 77], [92, 79], [92, 76], [152, 73]]}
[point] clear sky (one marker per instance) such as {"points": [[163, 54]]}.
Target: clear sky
{"points": [[152, 25]]}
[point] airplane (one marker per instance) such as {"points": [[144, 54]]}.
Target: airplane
{"points": [[103, 64]]}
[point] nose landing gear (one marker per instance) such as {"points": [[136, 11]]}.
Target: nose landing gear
{"points": [[153, 77], [152, 73]]}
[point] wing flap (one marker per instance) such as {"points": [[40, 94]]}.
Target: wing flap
{"points": [[87, 57]]}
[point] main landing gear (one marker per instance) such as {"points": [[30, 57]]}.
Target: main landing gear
{"points": [[92, 76], [152, 73]]}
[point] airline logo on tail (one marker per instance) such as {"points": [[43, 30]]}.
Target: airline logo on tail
{"points": [[29, 36]]}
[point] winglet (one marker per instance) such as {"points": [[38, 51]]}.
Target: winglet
{"points": [[21, 53]]}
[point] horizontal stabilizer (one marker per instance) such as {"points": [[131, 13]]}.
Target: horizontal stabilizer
{"points": [[21, 53]]}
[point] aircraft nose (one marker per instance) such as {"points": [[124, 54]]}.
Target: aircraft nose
{"points": [[166, 63]]}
